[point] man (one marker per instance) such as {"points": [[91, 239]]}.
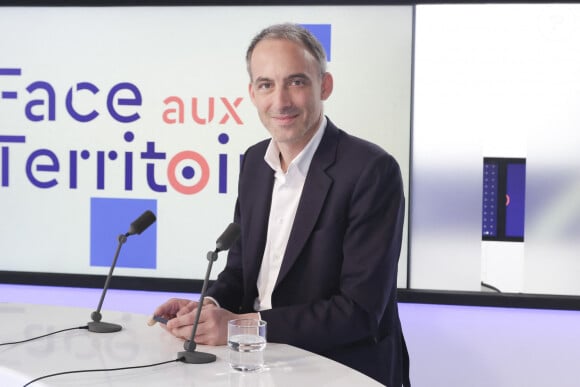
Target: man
{"points": [[321, 215]]}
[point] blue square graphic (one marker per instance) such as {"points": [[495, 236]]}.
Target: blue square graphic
{"points": [[322, 33], [112, 217]]}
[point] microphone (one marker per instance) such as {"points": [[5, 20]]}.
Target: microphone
{"points": [[141, 223], [224, 242], [137, 227]]}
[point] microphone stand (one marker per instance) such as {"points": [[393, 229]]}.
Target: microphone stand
{"points": [[190, 355], [97, 325]]}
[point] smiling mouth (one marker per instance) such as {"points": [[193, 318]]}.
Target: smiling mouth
{"points": [[284, 119]]}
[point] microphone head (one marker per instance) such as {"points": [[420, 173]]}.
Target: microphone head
{"points": [[228, 237], [141, 223]]}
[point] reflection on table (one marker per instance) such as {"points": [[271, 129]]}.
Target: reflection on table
{"points": [[136, 345]]}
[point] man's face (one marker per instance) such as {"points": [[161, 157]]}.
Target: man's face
{"points": [[288, 90]]}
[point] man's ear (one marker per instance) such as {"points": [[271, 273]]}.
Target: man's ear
{"points": [[251, 92], [327, 85]]}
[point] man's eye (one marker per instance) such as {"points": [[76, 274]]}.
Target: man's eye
{"points": [[264, 85], [297, 82]]}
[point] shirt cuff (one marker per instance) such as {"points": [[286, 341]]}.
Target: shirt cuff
{"points": [[212, 300]]}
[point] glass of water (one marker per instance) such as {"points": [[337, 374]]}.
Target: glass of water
{"points": [[247, 341]]}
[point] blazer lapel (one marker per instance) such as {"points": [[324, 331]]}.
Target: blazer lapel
{"points": [[314, 193]]}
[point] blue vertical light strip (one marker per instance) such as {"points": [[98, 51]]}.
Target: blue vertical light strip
{"points": [[489, 200], [515, 200]]}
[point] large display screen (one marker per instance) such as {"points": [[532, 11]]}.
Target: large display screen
{"points": [[106, 112]]}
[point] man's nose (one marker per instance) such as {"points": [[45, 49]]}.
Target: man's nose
{"points": [[282, 97]]}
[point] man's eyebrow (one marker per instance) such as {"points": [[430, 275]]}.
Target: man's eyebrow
{"points": [[298, 75], [289, 77], [262, 79]]}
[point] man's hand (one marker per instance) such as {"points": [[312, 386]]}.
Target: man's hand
{"points": [[212, 328], [176, 308]]}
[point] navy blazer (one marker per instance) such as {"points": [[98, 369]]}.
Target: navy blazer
{"points": [[336, 294]]}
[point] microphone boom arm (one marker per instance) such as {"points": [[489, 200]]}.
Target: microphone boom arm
{"points": [[97, 325], [136, 228], [190, 355], [224, 242]]}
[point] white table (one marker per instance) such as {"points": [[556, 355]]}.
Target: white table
{"points": [[138, 344]]}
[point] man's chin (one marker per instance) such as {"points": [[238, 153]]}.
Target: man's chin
{"points": [[284, 133]]}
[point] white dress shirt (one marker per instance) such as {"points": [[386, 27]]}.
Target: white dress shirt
{"points": [[286, 195]]}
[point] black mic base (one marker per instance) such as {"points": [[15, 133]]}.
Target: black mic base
{"points": [[103, 327], [195, 357]]}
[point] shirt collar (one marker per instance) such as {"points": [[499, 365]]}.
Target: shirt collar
{"points": [[304, 158]]}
